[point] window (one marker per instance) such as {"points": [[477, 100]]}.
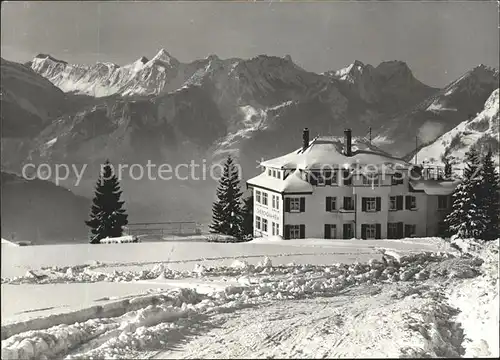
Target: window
{"points": [[410, 230], [348, 231], [330, 231], [331, 203], [257, 222], [411, 202], [397, 178], [264, 225], [269, 172], [275, 228], [392, 230], [279, 174], [331, 177], [294, 231], [347, 177], [371, 231], [442, 202], [321, 179], [395, 203], [274, 173], [371, 204], [370, 179], [257, 196], [276, 202], [392, 203], [294, 204], [264, 198], [348, 203]]}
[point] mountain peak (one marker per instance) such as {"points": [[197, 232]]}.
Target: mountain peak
{"points": [[392, 67], [162, 55], [49, 57], [142, 60]]}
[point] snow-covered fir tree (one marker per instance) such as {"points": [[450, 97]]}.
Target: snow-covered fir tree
{"points": [[226, 211], [490, 196], [107, 216], [468, 218]]}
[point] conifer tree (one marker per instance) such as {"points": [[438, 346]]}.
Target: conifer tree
{"points": [[490, 196], [226, 210], [247, 212], [107, 216], [468, 218]]}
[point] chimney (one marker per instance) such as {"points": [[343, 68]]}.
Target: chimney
{"points": [[305, 139], [347, 142]]}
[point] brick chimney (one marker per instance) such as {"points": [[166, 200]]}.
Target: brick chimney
{"points": [[347, 142], [305, 139]]}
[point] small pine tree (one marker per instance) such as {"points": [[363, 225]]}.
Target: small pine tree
{"points": [[248, 216], [490, 196], [447, 161], [468, 218], [226, 210], [107, 216]]}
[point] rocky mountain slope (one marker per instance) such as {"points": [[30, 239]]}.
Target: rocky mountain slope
{"points": [[437, 114], [482, 132]]}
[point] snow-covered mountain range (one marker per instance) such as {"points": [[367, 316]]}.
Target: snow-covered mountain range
{"points": [[481, 131], [167, 111]]}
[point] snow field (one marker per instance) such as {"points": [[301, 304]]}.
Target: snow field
{"points": [[263, 282]]}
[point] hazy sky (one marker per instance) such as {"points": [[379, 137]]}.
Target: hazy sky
{"points": [[439, 40]]}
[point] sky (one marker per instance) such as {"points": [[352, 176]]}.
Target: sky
{"points": [[439, 40]]}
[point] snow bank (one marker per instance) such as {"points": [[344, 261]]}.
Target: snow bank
{"points": [[478, 302], [27, 340], [7, 242], [120, 239]]}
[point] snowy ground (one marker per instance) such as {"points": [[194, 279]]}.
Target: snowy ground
{"points": [[306, 298]]}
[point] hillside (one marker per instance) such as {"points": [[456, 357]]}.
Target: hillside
{"points": [[41, 212], [437, 114], [481, 132]]}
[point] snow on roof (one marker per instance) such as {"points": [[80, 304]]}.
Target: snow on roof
{"points": [[293, 183], [434, 187], [328, 150]]}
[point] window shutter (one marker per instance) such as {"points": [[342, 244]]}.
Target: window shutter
{"points": [[363, 204], [378, 203], [328, 177], [407, 202], [287, 205], [327, 231], [313, 179], [328, 203], [302, 231], [302, 204], [345, 231], [287, 231], [378, 231], [400, 230], [399, 202], [363, 231], [407, 230]]}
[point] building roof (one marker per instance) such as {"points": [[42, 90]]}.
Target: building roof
{"points": [[434, 187], [328, 150], [293, 183]]}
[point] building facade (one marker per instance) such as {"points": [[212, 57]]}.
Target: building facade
{"points": [[346, 188]]}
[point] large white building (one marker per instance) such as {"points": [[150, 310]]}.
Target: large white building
{"points": [[346, 188]]}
